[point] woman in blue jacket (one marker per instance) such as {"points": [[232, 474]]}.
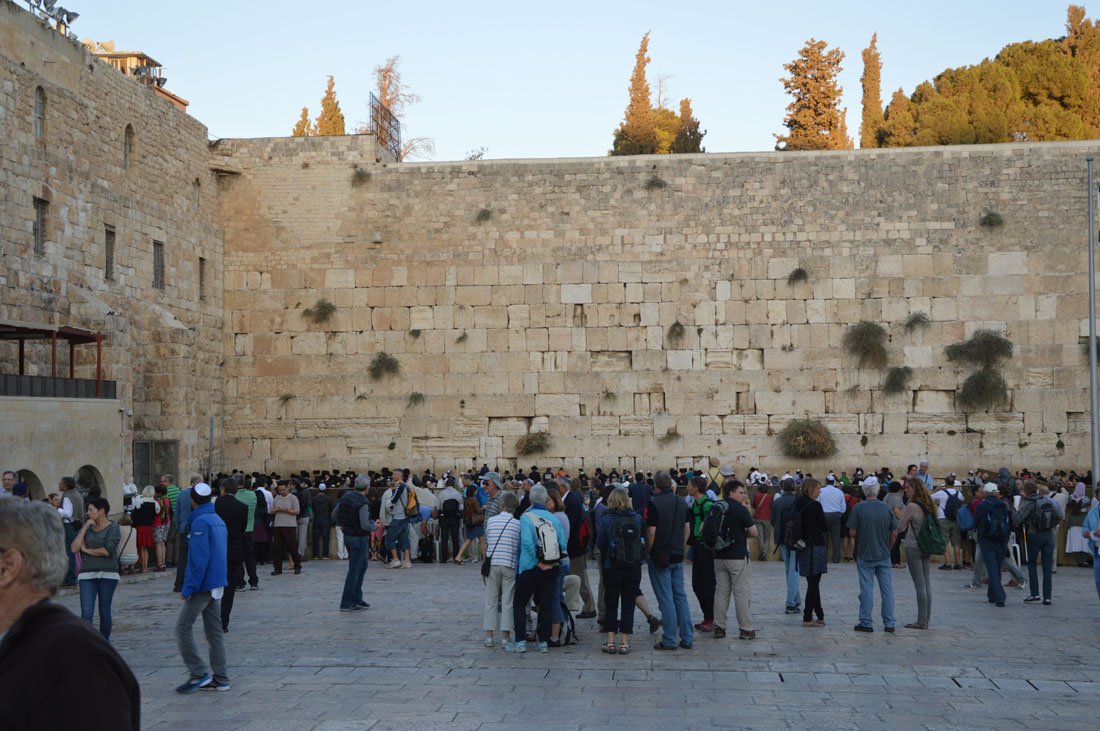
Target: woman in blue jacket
{"points": [[622, 567]]}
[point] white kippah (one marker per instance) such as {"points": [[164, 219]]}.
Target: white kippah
{"points": [[202, 489]]}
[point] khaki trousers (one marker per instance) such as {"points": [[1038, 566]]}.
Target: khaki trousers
{"points": [[733, 576]]}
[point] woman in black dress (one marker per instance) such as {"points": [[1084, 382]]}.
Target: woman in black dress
{"points": [[812, 560]]}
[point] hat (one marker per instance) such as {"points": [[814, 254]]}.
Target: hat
{"points": [[492, 477], [714, 462], [871, 481], [322, 487], [990, 488], [201, 489], [970, 472], [726, 471], [830, 478]]}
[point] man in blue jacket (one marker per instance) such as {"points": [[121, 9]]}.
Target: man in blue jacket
{"points": [[204, 581]]}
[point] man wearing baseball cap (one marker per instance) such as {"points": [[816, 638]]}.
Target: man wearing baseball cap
{"points": [[204, 582]]}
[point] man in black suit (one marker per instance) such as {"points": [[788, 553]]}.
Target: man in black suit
{"points": [[235, 515], [578, 551]]}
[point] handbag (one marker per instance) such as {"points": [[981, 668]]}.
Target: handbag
{"points": [[487, 562]]}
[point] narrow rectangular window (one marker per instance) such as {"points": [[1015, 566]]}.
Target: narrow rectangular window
{"points": [[202, 278], [41, 209], [109, 253], [158, 265]]}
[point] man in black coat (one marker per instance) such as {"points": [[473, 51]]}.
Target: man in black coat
{"points": [[235, 515], [46, 650], [578, 550]]}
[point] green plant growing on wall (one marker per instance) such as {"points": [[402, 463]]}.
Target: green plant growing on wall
{"points": [[985, 348], [655, 182], [415, 399], [798, 275], [867, 341], [916, 320], [897, 379], [462, 338], [382, 365], [391, 446], [414, 333], [359, 176], [286, 398], [533, 443], [483, 215], [675, 333], [321, 312], [806, 439], [361, 397], [991, 219], [671, 435], [609, 395], [983, 390]]}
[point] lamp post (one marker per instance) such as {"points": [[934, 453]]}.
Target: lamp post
{"points": [[1094, 418]]}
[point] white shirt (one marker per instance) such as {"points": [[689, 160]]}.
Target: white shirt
{"points": [[268, 497], [66, 508], [832, 499], [940, 496]]}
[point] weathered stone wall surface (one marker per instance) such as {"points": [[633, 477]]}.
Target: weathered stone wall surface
{"points": [[523, 296], [163, 346]]}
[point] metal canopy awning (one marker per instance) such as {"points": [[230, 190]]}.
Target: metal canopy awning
{"points": [[24, 331]]}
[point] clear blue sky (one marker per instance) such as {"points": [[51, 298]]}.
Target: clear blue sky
{"points": [[541, 79]]}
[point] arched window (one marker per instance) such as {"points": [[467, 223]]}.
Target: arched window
{"points": [[127, 147], [39, 113]]}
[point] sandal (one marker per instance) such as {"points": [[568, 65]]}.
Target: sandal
{"points": [[457, 561], [624, 649], [610, 648]]}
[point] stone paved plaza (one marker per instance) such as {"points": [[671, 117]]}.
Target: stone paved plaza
{"points": [[415, 660]]}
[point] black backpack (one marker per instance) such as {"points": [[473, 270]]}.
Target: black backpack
{"points": [[995, 526], [951, 509], [1045, 517], [792, 532], [426, 550], [628, 541], [451, 510], [713, 533]]}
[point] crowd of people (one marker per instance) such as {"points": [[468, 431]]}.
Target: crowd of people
{"points": [[533, 534]]}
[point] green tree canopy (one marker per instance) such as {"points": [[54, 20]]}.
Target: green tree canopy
{"points": [[689, 138], [870, 127], [814, 118]]}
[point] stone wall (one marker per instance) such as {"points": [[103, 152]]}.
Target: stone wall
{"points": [[523, 296], [163, 346]]}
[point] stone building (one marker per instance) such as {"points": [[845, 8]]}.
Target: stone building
{"points": [[639, 311]]}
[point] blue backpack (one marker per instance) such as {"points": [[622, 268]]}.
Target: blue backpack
{"points": [[965, 519], [995, 525]]}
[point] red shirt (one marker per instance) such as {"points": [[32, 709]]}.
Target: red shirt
{"points": [[762, 505]]}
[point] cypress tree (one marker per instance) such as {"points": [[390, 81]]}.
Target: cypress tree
{"points": [[814, 118], [689, 138], [637, 135], [303, 128], [331, 120], [871, 123]]}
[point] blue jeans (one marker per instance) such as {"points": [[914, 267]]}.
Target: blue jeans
{"points": [[321, 533], [1095, 570], [1040, 544], [71, 529], [869, 571], [668, 585], [397, 535], [993, 553], [357, 568], [790, 564], [104, 590]]}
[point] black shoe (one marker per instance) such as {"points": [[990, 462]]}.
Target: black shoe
{"points": [[553, 643], [242, 587], [945, 567], [1000, 604], [662, 646], [276, 573], [687, 645], [361, 605], [254, 587], [1046, 602], [225, 630], [864, 628], [889, 629], [791, 610], [1031, 599], [585, 615]]}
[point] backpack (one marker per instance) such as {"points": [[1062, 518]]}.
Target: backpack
{"points": [[584, 534], [547, 548], [1045, 517], [628, 541], [951, 509], [929, 538], [965, 519], [452, 510], [471, 514], [995, 525], [792, 532], [426, 550], [412, 507], [713, 533]]}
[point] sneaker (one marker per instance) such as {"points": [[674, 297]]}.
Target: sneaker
{"points": [[945, 567], [663, 646], [586, 615], [791, 610], [747, 634], [488, 641], [705, 627], [516, 647], [864, 628], [543, 647], [394, 565], [554, 643], [217, 685], [360, 605], [1030, 599], [297, 570], [1012, 584], [347, 609], [1000, 604], [687, 645], [719, 633], [195, 684], [958, 567], [407, 565], [654, 624], [1046, 602], [889, 629], [971, 586], [254, 588]]}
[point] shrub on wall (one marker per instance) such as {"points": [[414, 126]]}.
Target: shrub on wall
{"points": [[867, 341], [415, 399], [321, 312], [671, 435], [897, 379], [807, 439], [985, 348], [798, 275], [915, 320], [983, 390], [675, 333], [533, 443], [383, 364]]}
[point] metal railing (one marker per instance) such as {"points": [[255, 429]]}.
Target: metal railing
{"points": [[385, 127], [47, 387]]}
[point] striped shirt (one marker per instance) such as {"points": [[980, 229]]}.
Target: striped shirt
{"points": [[504, 528]]}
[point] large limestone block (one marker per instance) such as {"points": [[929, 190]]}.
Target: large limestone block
{"points": [[339, 278], [576, 293], [311, 343], [934, 402], [679, 360], [558, 404], [1007, 263], [421, 318]]}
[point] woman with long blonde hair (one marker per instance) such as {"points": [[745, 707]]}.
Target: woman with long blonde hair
{"points": [[920, 508]]}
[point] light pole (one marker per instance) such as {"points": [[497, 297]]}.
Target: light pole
{"points": [[1094, 418]]}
